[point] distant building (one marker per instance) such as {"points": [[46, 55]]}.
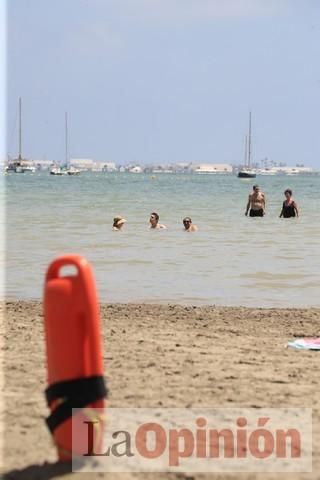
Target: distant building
{"points": [[42, 164], [284, 170], [97, 167], [293, 170], [39, 164], [184, 167], [213, 168], [109, 167], [82, 163]]}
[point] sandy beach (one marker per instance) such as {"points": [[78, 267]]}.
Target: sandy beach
{"points": [[194, 356]]}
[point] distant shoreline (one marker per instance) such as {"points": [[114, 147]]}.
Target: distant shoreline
{"points": [[164, 303], [199, 169]]}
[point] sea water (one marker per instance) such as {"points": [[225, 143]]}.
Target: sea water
{"points": [[231, 260]]}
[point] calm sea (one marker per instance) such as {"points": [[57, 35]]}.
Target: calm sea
{"points": [[232, 260]]}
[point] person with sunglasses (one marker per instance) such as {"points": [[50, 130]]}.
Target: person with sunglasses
{"points": [[154, 221], [188, 225]]}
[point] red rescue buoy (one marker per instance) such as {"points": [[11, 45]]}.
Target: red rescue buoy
{"points": [[74, 354]]}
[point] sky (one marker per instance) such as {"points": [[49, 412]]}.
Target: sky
{"points": [[3, 51], [165, 81], [2, 145]]}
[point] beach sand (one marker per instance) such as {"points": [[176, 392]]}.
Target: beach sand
{"points": [[168, 356]]}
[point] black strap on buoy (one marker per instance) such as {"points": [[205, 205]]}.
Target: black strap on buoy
{"points": [[76, 393]]}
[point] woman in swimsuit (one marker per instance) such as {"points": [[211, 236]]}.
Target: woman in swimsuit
{"points": [[289, 206]]}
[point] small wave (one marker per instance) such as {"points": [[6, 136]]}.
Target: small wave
{"points": [[127, 262], [274, 276]]}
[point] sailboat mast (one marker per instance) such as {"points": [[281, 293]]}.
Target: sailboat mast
{"points": [[20, 130], [66, 139], [245, 150], [249, 142]]}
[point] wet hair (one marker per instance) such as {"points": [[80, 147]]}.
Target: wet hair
{"points": [[156, 216], [117, 219], [255, 187], [288, 191]]}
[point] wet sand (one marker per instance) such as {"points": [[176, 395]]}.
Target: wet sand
{"points": [[168, 356]]}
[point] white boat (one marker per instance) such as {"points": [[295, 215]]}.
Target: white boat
{"points": [[14, 166], [247, 171], [69, 169], [57, 171], [73, 171], [135, 169], [29, 168]]}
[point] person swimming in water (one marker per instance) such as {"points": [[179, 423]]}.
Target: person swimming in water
{"points": [[188, 225], [289, 206], [154, 221], [256, 203], [118, 223]]}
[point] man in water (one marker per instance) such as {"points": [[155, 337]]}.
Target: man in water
{"points": [[154, 221], [118, 223], [256, 203], [188, 225]]}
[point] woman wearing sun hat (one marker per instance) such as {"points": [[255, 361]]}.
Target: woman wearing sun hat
{"points": [[118, 223]]}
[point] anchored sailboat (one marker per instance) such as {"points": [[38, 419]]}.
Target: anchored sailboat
{"points": [[66, 169], [70, 170], [16, 165], [247, 171]]}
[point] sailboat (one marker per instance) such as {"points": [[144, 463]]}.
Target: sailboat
{"points": [[65, 170], [247, 171], [16, 165], [57, 169], [70, 170]]}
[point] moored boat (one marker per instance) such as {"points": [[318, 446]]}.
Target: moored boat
{"points": [[73, 171], [16, 165], [57, 171], [247, 171], [66, 169]]}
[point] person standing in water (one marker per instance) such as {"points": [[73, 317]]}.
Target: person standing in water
{"points": [[188, 225], [289, 206], [154, 221], [256, 203]]}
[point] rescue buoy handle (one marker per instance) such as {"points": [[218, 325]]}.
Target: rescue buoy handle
{"points": [[77, 261]]}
